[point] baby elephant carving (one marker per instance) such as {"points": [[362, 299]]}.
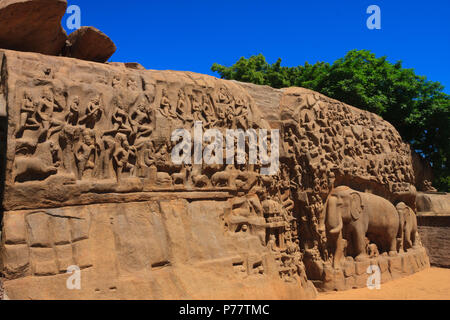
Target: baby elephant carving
{"points": [[355, 215], [408, 227]]}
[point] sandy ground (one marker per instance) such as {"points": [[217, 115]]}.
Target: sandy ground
{"points": [[430, 284]]}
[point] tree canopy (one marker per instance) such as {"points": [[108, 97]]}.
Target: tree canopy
{"points": [[417, 107]]}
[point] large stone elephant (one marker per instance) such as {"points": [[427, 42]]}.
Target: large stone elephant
{"points": [[356, 215], [408, 226]]}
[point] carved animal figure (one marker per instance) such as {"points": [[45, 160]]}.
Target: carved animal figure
{"points": [[163, 179], [223, 178], [355, 215], [29, 169], [180, 178], [408, 226]]}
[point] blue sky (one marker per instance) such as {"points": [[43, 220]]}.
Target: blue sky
{"points": [[193, 34]]}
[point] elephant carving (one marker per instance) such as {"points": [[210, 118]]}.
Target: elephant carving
{"points": [[408, 227], [353, 216]]}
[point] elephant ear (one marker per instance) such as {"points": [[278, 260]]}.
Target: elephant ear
{"points": [[356, 206], [411, 212]]}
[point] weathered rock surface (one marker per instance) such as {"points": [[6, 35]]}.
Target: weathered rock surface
{"points": [[32, 25], [433, 203], [89, 43], [265, 99], [90, 181], [435, 234]]}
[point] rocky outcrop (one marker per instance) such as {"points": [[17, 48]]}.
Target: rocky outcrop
{"points": [[434, 232], [423, 173], [104, 173], [88, 43], [433, 209], [434, 203], [32, 25], [35, 26]]}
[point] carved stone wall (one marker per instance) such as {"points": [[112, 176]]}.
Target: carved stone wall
{"points": [[329, 144], [434, 231], [83, 134], [89, 181]]}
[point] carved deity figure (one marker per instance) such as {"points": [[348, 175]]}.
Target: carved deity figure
{"points": [[45, 109], [85, 153], [140, 121], [121, 156], [207, 111], [119, 120], [93, 114]]}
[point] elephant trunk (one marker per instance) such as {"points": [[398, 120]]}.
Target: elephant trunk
{"points": [[333, 217]]}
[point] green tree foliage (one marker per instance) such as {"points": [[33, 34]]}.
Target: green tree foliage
{"points": [[418, 108]]}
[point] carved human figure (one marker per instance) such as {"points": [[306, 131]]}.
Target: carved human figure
{"points": [[45, 109], [197, 109], [272, 244], [93, 113], [207, 111], [165, 106], [27, 113], [74, 112], [85, 153], [116, 82], [105, 149], [241, 112], [182, 107]]}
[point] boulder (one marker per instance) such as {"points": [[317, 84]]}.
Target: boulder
{"points": [[89, 43], [435, 203], [32, 25]]}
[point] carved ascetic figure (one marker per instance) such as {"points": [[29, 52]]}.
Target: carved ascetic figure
{"points": [[181, 110], [120, 122], [354, 215], [166, 106], [408, 227]]}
